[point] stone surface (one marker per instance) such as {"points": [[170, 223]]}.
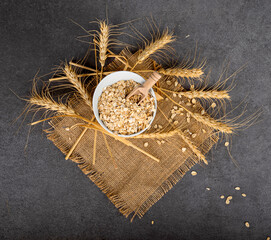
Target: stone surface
{"points": [[42, 196]]}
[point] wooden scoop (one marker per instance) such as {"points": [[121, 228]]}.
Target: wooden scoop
{"points": [[143, 90]]}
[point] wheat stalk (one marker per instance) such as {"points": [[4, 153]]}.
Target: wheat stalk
{"points": [[154, 46], [182, 72], [158, 135], [98, 127], [211, 94], [109, 151], [77, 84], [94, 146], [48, 103]]}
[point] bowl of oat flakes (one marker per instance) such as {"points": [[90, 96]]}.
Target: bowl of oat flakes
{"points": [[117, 114]]}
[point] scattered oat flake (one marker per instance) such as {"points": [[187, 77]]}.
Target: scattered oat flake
{"points": [[146, 144], [174, 95], [168, 82], [176, 83], [70, 139], [202, 111], [237, 188], [222, 196], [194, 135], [229, 198], [208, 189], [188, 120], [187, 36], [194, 101], [244, 195], [203, 130], [160, 126], [152, 222], [170, 120], [213, 105], [163, 141], [180, 95], [159, 142], [67, 129], [247, 224], [183, 149], [194, 173], [155, 126], [166, 99], [173, 116], [175, 107], [175, 122], [227, 144]]}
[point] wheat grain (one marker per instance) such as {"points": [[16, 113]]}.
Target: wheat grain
{"points": [[194, 173], [182, 72], [77, 84]]}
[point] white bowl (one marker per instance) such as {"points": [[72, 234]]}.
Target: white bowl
{"points": [[111, 79]]}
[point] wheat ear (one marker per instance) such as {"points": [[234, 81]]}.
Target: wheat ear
{"points": [[182, 72], [210, 122], [186, 140], [211, 94], [103, 42], [48, 103], [172, 133], [155, 45], [192, 147], [207, 120], [78, 85]]}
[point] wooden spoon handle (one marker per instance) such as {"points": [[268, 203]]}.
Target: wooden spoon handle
{"points": [[151, 80]]}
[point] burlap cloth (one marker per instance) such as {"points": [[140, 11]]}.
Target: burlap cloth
{"points": [[139, 181]]}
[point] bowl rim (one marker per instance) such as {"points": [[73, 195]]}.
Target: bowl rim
{"points": [[111, 79]]}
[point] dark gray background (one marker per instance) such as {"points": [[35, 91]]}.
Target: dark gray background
{"points": [[42, 196]]}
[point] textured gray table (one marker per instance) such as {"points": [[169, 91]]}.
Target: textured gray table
{"points": [[42, 196]]}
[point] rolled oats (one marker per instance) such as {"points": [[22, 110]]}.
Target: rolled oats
{"points": [[121, 115]]}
